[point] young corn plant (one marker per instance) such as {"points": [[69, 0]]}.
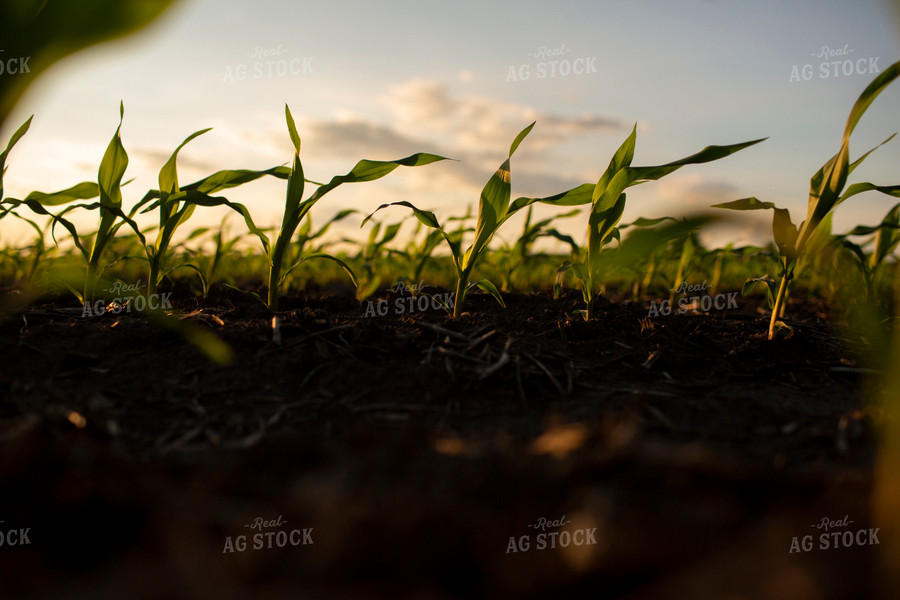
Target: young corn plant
{"points": [[296, 209], [172, 214], [516, 257], [112, 169], [885, 241], [109, 189], [645, 270], [374, 251], [494, 209], [224, 247], [608, 204], [305, 244], [420, 248], [826, 192]]}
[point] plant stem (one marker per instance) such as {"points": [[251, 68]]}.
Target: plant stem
{"points": [[274, 274], [778, 309], [90, 281], [460, 297]]}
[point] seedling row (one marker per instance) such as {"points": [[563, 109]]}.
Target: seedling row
{"points": [[647, 259]]}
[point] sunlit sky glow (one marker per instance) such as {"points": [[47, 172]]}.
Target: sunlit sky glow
{"points": [[385, 80]]}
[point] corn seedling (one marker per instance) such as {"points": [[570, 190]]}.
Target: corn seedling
{"points": [[172, 214], [608, 204], [296, 209], [305, 246], [370, 251], [494, 209], [516, 257], [885, 241], [826, 192], [644, 270]]}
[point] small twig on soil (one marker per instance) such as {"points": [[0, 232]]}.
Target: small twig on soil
{"points": [[547, 372], [486, 336], [443, 331], [504, 358], [449, 352]]}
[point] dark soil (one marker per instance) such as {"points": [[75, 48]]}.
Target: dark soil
{"points": [[688, 450]]}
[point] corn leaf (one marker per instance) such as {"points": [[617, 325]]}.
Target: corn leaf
{"points": [[751, 203], [828, 182], [370, 170], [12, 142], [493, 205], [82, 191], [490, 288]]}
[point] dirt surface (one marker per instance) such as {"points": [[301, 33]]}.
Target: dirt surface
{"points": [[413, 456]]}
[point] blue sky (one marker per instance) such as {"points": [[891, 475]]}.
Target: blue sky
{"points": [[384, 80]]}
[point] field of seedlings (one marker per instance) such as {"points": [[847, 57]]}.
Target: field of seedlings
{"points": [[426, 412]]}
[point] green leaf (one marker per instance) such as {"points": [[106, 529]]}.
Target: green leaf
{"points": [[12, 142], [514, 146], [39, 209], [785, 233], [828, 182], [292, 129], [370, 170], [428, 219], [493, 205], [768, 281], [368, 289], [621, 159], [859, 188], [112, 167], [857, 251], [293, 212], [82, 191], [708, 154], [109, 178], [168, 175], [490, 288], [567, 239], [887, 238], [225, 179], [751, 203], [642, 222], [343, 265], [859, 160], [576, 196], [201, 199]]}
